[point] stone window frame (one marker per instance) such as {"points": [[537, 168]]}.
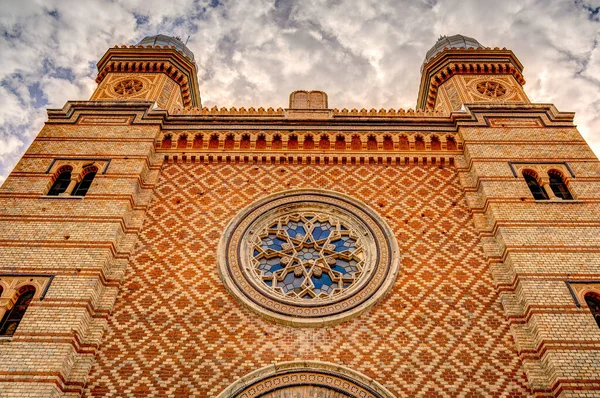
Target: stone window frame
{"points": [[79, 168], [232, 269], [297, 373], [542, 171], [11, 285]]}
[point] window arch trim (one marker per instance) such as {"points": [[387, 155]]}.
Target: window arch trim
{"points": [[284, 375]]}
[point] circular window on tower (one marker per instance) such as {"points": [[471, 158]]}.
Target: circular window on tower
{"points": [[128, 87], [491, 89], [308, 257]]}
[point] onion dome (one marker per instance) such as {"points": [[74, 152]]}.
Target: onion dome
{"points": [[169, 41], [457, 41]]}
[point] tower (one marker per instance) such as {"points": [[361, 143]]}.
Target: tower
{"points": [[151, 247], [159, 68], [458, 70]]}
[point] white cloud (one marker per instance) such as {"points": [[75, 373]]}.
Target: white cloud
{"points": [[255, 52]]}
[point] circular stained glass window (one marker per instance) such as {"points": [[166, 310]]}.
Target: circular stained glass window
{"points": [[128, 87], [307, 257]]}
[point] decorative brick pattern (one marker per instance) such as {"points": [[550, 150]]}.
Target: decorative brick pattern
{"points": [[176, 331]]}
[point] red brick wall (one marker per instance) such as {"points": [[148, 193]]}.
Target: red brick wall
{"points": [[176, 330]]}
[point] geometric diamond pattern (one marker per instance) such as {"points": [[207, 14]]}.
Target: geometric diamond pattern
{"points": [[176, 331]]}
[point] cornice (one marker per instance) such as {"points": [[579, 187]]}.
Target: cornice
{"points": [[145, 112]]}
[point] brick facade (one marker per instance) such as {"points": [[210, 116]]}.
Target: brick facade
{"points": [[489, 299]]}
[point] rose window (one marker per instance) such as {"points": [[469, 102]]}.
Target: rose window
{"points": [[128, 87], [308, 257], [491, 89]]}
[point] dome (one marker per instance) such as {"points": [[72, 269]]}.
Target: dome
{"points": [[164, 40], [458, 41]]}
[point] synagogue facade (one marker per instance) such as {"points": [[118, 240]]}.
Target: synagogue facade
{"points": [[150, 246]]}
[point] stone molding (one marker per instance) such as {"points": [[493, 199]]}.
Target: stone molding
{"points": [[280, 375]]}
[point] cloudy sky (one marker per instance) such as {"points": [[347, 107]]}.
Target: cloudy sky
{"points": [[363, 53]]}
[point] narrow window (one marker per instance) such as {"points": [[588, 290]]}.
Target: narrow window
{"points": [[245, 142], [166, 142], [277, 143], [558, 186], [229, 142], [536, 189], [403, 143], [182, 141], [309, 143], [13, 317], [83, 186], [593, 303], [450, 144], [419, 143], [356, 143], [435, 143], [371, 143], [261, 142], [293, 142], [1, 290], [324, 143], [213, 143], [388, 143], [61, 183], [198, 141], [340, 143]]}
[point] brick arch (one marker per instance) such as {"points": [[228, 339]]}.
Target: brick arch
{"points": [[436, 144], [309, 142], [419, 143], [403, 143], [340, 142], [388, 143], [245, 141], [451, 143], [198, 141], [182, 141], [292, 142], [167, 141], [261, 142], [356, 143], [277, 142], [324, 143], [229, 142], [213, 142], [371, 143]]}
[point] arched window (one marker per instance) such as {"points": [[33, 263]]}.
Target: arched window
{"points": [[356, 143], [536, 189], [558, 186], [13, 317], [277, 143], [62, 181], [419, 143], [371, 143], [83, 186], [261, 142], [293, 142], [213, 143], [198, 141], [450, 144], [245, 142], [324, 143], [229, 142], [435, 143], [388, 143], [309, 143], [403, 143], [166, 142], [340, 143], [593, 302], [182, 141]]}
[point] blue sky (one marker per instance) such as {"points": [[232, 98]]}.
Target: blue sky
{"points": [[254, 53]]}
